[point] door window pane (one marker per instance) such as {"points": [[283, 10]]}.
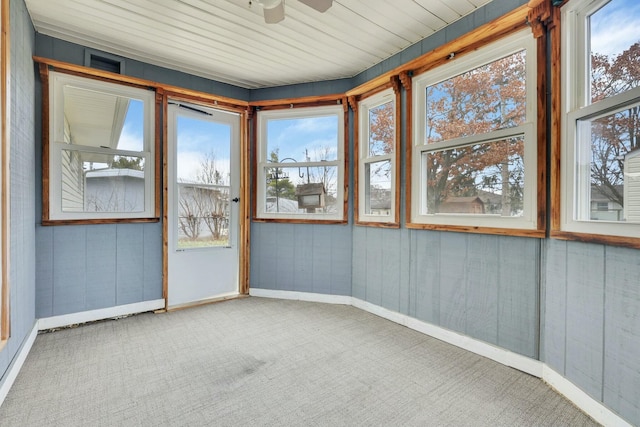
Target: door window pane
{"points": [[203, 189]]}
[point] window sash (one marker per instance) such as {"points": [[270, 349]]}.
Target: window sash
{"points": [[575, 174], [58, 144], [263, 165], [490, 53], [366, 159]]}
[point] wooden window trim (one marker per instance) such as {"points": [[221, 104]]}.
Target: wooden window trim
{"points": [[5, 315], [394, 82], [479, 38], [551, 18], [287, 104]]}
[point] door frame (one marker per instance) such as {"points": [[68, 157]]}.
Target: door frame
{"points": [[244, 217]]}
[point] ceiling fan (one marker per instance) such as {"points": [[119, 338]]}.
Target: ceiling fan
{"points": [[274, 9]]}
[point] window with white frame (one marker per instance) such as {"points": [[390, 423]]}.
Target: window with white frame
{"points": [[474, 155], [300, 154], [601, 99], [377, 158], [101, 150]]}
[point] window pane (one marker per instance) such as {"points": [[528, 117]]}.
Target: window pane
{"points": [[93, 182], [484, 178], [381, 129], [203, 218], [302, 189], [378, 188], [303, 139], [203, 164], [482, 100], [611, 166], [99, 119], [615, 48]]}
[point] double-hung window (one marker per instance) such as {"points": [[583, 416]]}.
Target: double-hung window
{"points": [[377, 181], [300, 156], [474, 157], [101, 151], [600, 174]]}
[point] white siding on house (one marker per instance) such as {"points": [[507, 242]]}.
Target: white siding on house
{"points": [[632, 187], [72, 176]]}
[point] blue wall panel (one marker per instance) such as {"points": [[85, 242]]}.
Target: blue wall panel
{"points": [[621, 334], [44, 272], [22, 242], [518, 306], [425, 284], [152, 259], [591, 329], [453, 281], [359, 269], [69, 269], [130, 263], [301, 258], [554, 304], [585, 302], [340, 273], [482, 294], [101, 265]]}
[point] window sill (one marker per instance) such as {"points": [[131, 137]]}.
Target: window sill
{"points": [[301, 220], [479, 230], [48, 222], [627, 242], [377, 224]]}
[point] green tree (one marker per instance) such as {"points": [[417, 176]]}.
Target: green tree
{"points": [[278, 183], [126, 162]]}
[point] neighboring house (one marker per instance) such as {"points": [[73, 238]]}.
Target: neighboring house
{"points": [[603, 205], [380, 203], [473, 205], [114, 190], [632, 186], [279, 204]]}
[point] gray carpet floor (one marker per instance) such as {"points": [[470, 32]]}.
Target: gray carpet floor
{"points": [[264, 362]]}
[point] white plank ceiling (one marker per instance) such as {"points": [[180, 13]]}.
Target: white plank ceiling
{"points": [[228, 40]]}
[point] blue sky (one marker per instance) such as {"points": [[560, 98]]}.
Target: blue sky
{"points": [[199, 138], [292, 136], [615, 27], [196, 139]]}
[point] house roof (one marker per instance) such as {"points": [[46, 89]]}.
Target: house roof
{"points": [[472, 199], [108, 173], [228, 40]]}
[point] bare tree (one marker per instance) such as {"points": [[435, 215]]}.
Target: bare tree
{"points": [[205, 202]]}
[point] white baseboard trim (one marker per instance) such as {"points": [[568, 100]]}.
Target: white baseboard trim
{"points": [[301, 296], [100, 314], [500, 355], [586, 403], [582, 400], [16, 364]]}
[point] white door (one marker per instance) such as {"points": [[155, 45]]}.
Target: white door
{"points": [[203, 176]]}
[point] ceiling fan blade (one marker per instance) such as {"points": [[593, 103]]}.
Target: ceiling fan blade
{"points": [[273, 14], [319, 5]]}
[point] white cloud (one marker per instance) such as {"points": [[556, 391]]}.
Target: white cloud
{"points": [[615, 27], [129, 140], [189, 165]]}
